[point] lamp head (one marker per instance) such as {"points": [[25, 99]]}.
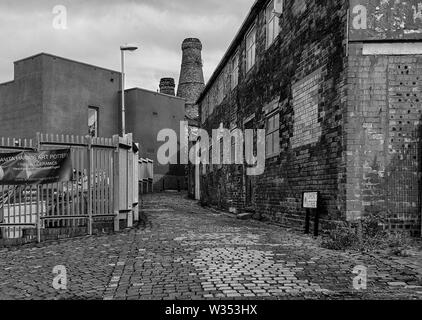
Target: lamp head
{"points": [[128, 47]]}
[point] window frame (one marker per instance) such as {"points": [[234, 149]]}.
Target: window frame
{"points": [[97, 113], [273, 131], [220, 88], [234, 70], [271, 19], [251, 48]]}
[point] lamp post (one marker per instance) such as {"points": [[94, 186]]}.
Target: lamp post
{"points": [[122, 50]]}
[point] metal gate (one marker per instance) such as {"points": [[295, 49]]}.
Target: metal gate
{"points": [[104, 185]]}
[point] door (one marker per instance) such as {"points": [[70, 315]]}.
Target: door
{"points": [[250, 181]]}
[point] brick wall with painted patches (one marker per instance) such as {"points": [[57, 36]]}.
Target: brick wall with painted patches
{"points": [[349, 124], [305, 100], [384, 136], [301, 77]]}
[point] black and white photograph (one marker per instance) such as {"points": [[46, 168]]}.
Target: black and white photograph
{"points": [[214, 157]]}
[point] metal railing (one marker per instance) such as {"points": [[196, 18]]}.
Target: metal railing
{"points": [[104, 185]]}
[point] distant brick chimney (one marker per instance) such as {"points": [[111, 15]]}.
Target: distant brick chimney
{"points": [[167, 86], [191, 81]]}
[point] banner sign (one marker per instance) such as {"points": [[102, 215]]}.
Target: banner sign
{"points": [[385, 20], [29, 167]]}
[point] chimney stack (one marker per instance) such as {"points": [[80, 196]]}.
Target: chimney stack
{"points": [[191, 81], [167, 86]]}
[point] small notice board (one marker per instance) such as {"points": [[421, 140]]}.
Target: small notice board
{"points": [[310, 200]]}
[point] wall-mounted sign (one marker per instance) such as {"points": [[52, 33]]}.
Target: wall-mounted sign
{"points": [[385, 20], [310, 200], [29, 167]]}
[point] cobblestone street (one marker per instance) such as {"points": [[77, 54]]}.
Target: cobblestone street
{"points": [[188, 252]]}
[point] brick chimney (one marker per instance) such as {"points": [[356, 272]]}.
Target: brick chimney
{"points": [[191, 81], [167, 86]]}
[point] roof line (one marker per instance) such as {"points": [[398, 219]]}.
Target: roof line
{"points": [[155, 92], [253, 13], [7, 82], [66, 59]]}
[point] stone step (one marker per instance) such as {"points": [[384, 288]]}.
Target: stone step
{"points": [[245, 216]]}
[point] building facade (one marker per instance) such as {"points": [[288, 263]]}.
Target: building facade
{"points": [[337, 90], [54, 95], [147, 113]]}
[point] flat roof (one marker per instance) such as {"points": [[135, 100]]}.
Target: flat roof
{"points": [[247, 23], [68, 60], [155, 92]]}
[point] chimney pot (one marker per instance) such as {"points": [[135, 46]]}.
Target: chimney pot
{"points": [[167, 86]]}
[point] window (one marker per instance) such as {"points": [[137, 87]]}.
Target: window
{"points": [[273, 27], [93, 121], [250, 49], [207, 107], [272, 139], [235, 71], [227, 81], [213, 98], [204, 109], [220, 88]]}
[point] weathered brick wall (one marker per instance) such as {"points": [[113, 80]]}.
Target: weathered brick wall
{"points": [[384, 138], [304, 73]]}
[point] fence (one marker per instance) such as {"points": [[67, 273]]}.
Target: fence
{"points": [[104, 186], [146, 175]]}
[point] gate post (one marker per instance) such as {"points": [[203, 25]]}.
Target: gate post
{"points": [[38, 215], [90, 182], [39, 188], [129, 181], [116, 183], [135, 184]]}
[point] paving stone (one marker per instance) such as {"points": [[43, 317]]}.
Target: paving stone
{"points": [[397, 284], [190, 253]]}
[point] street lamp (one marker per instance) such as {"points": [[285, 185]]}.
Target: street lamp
{"points": [[122, 50]]}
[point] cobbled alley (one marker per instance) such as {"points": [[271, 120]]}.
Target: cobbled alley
{"points": [[184, 251]]}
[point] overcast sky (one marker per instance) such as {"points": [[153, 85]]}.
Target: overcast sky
{"points": [[96, 28]]}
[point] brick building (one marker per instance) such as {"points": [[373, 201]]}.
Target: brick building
{"points": [[337, 85], [55, 95]]}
